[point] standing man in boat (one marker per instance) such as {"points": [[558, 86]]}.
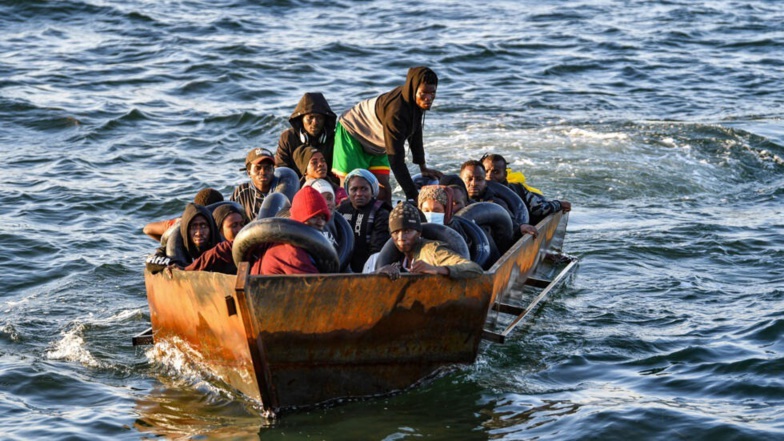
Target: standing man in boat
{"points": [[372, 134], [422, 256], [538, 206], [260, 167], [312, 125]]}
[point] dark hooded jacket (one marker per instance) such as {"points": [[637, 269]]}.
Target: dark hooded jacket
{"points": [[371, 229], [159, 260], [295, 136], [403, 120]]}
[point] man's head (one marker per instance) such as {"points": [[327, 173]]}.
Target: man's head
{"points": [[361, 187], [310, 208], [311, 163], [260, 166], [197, 229], [405, 226], [473, 175], [313, 123], [459, 197], [495, 167], [207, 196], [421, 84], [325, 188], [229, 220]]}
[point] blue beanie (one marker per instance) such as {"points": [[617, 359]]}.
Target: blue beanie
{"points": [[368, 176]]}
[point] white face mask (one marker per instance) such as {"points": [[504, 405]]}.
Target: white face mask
{"points": [[435, 218]]}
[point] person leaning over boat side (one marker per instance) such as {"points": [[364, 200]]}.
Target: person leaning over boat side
{"points": [[312, 164], [310, 208], [472, 173], [260, 167], [422, 256], [367, 215], [205, 196], [229, 220], [199, 233], [312, 125], [372, 134], [538, 206]]}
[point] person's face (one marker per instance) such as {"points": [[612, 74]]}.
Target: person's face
{"points": [[318, 221], [405, 239], [261, 174], [199, 231], [313, 123], [496, 170], [317, 167], [232, 225], [474, 179], [359, 192], [330, 198], [432, 206], [458, 201], [425, 95]]}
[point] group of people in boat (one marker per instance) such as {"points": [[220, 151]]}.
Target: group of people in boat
{"points": [[340, 166]]}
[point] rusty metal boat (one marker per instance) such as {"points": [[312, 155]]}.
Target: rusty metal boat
{"points": [[294, 341]]}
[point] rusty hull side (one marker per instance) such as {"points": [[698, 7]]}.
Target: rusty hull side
{"points": [[334, 336], [520, 261], [191, 306]]}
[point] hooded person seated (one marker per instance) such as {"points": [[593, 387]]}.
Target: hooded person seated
{"points": [[260, 167], [199, 234], [229, 220], [420, 255], [367, 215], [474, 176], [205, 196], [538, 206], [310, 208], [312, 124], [312, 164], [459, 192]]}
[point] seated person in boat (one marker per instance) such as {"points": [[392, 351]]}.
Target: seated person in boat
{"points": [[310, 208], [326, 189], [260, 167], [459, 192], [312, 125], [199, 234], [367, 215], [229, 220], [473, 175], [205, 196], [311, 164], [538, 206], [420, 255]]}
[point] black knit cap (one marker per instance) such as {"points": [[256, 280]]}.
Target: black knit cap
{"points": [[404, 215]]}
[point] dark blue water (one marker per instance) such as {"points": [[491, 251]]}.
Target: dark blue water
{"points": [[660, 120]]}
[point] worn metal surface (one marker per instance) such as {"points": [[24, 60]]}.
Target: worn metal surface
{"points": [[315, 338], [189, 308]]}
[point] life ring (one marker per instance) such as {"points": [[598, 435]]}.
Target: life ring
{"points": [[282, 230], [451, 238], [272, 205], [341, 230], [480, 245], [288, 182], [420, 181], [492, 217], [520, 214]]}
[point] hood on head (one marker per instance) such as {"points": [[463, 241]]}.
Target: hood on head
{"points": [[192, 210], [313, 102], [416, 76]]}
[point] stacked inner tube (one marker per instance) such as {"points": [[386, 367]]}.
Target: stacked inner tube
{"points": [[494, 221], [519, 210], [282, 230], [288, 182], [341, 230], [478, 243], [273, 204]]}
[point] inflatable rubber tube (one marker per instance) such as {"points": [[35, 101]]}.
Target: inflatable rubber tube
{"points": [[272, 205], [388, 254], [341, 230], [493, 216], [281, 230], [288, 182], [480, 245], [520, 214], [420, 181]]}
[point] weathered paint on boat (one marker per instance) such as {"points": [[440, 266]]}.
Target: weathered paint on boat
{"points": [[303, 340]]}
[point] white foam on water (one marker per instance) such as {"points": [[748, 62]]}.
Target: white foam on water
{"points": [[72, 347], [182, 362]]}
